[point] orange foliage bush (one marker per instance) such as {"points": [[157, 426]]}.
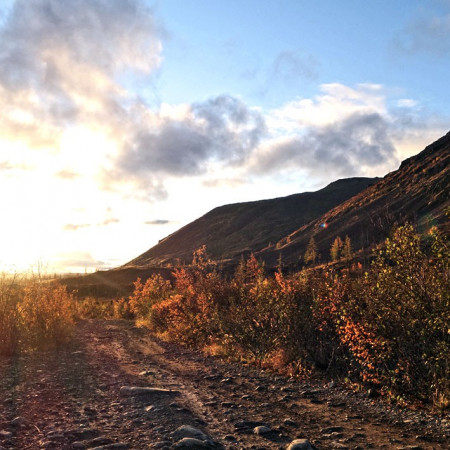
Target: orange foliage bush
{"points": [[46, 315], [387, 327]]}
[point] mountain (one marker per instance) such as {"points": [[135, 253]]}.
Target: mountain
{"points": [[234, 230], [418, 192], [364, 209]]}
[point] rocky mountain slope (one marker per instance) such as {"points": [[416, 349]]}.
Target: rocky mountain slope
{"points": [[234, 230], [364, 209], [418, 192]]}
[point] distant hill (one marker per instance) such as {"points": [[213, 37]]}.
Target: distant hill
{"points": [[234, 230], [418, 192]]}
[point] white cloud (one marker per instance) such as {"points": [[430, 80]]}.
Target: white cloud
{"points": [[335, 103], [407, 103]]}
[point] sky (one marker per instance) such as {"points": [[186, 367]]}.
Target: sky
{"points": [[123, 120]]}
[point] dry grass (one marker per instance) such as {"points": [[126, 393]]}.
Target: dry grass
{"points": [[33, 315]]}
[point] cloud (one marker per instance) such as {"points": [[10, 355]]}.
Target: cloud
{"points": [[157, 222], [5, 165], [75, 226], [77, 260], [78, 226], [354, 146], [61, 62], [407, 103], [67, 174], [110, 221], [221, 130], [429, 35], [344, 131], [335, 102], [289, 66], [61, 67]]}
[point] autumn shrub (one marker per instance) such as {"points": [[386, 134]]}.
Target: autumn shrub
{"points": [[122, 309], [394, 320], [304, 340], [145, 295], [93, 308], [46, 315], [249, 319], [188, 313], [9, 316]]}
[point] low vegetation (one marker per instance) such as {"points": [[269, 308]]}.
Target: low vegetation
{"points": [[386, 328], [33, 315]]}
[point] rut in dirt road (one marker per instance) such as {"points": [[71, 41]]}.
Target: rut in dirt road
{"points": [[80, 397]]}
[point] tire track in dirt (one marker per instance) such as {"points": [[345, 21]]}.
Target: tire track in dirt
{"points": [[74, 394]]}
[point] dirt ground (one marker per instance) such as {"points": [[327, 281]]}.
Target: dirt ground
{"points": [[72, 398]]}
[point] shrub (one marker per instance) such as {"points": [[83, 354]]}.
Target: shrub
{"points": [[394, 320], [46, 315], [189, 313], [145, 295], [9, 316]]}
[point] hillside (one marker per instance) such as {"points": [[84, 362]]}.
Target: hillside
{"points": [[233, 230], [417, 192]]}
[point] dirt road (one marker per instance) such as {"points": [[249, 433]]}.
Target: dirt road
{"points": [[73, 399]]}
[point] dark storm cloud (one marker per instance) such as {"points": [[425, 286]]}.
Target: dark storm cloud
{"points": [[342, 149], [221, 129]]}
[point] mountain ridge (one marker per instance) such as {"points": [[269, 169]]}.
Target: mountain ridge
{"points": [[232, 230], [365, 209]]}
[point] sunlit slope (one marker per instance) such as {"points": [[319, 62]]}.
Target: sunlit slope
{"points": [[418, 192], [233, 230]]}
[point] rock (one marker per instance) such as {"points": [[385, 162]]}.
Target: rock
{"points": [[82, 434], [115, 446], [261, 430], [162, 444], [79, 445], [101, 440], [329, 430], [131, 391], [193, 443], [17, 421], [186, 431], [300, 444], [230, 438], [5, 434], [55, 435], [289, 423], [246, 424], [227, 404]]}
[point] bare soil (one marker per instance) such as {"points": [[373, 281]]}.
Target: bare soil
{"points": [[71, 398]]}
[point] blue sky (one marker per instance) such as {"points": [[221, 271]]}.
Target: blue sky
{"points": [[123, 120], [234, 46]]}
